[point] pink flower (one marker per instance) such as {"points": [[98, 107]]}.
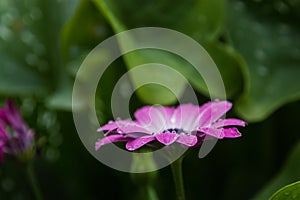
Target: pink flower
{"points": [[15, 137], [187, 124]]}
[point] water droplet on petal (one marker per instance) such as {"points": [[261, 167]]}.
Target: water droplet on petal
{"points": [[173, 120]]}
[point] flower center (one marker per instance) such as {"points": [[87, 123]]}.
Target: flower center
{"points": [[174, 130]]}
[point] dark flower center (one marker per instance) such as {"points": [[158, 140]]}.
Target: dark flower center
{"points": [[176, 130]]}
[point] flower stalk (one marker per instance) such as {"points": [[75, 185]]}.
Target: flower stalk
{"points": [[33, 181], [178, 179]]}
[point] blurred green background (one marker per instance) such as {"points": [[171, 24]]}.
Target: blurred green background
{"points": [[255, 44]]}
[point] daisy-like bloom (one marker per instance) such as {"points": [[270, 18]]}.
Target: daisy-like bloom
{"points": [[15, 137], [187, 124]]}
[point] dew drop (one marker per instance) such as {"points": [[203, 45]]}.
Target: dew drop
{"points": [[286, 193], [173, 120], [295, 196]]}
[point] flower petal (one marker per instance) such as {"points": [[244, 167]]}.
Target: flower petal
{"points": [[123, 126], [110, 139], [188, 140], [217, 133], [10, 116], [154, 119], [110, 126], [1, 152], [185, 117], [231, 133], [139, 142], [167, 138], [229, 122], [213, 111], [3, 135]]}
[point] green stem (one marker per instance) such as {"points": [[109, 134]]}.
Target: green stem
{"points": [[33, 182], [178, 179]]}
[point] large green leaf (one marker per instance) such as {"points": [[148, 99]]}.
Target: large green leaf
{"points": [[270, 44], [29, 49], [289, 174], [288, 192], [21, 52], [199, 19]]}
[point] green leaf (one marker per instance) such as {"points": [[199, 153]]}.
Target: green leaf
{"points": [[270, 46], [83, 31], [196, 18], [21, 52], [30, 61], [289, 174], [288, 192]]}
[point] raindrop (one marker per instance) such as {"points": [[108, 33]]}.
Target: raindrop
{"points": [[295, 196], [173, 120], [262, 70]]}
